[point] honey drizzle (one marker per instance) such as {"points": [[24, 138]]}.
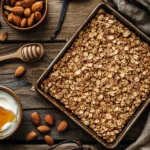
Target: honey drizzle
{"points": [[6, 116]]}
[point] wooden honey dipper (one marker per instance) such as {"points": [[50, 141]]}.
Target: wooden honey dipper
{"points": [[28, 53]]}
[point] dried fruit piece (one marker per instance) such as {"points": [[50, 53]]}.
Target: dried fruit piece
{"points": [[17, 20], [10, 17], [49, 140], [19, 71], [17, 10], [37, 6], [62, 126], [3, 36], [38, 16], [35, 118], [30, 20], [27, 12], [27, 3], [49, 119], [43, 129], [31, 136]]}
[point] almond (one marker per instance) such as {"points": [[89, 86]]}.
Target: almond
{"points": [[27, 12], [35, 118], [27, 3], [31, 136], [49, 119], [43, 129], [38, 16], [62, 126], [49, 140], [7, 7], [37, 6], [13, 2], [10, 18], [17, 10], [30, 20], [3, 36], [18, 3], [19, 71], [17, 20]]}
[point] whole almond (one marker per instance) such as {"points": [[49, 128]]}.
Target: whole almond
{"points": [[35, 118], [10, 17], [24, 22], [3, 36], [18, 3], [62, 126], [49, 119], [48, 140], [27, 3], [38, 16], [17, 10], [27, 12], [19, 71], [13, 2], [7, 7], [31, 136], [37, 6], [30, 20], [43, 129], [17, 20]]}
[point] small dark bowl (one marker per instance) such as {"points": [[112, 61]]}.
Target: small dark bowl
{"points": [[44, 13]]}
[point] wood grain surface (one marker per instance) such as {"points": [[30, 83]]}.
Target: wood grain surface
{"points": [[24, 86]]}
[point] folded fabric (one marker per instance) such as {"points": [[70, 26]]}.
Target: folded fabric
{"points": [[137, 11]]}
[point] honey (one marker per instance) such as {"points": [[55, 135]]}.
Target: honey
{"points": [[6, 116]]}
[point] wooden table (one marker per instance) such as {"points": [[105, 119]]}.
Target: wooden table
{"points": [[24, 87]]}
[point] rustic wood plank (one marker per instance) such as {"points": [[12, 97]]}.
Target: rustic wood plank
{"points": [[74, 132], [77, 12], [22, 86]]}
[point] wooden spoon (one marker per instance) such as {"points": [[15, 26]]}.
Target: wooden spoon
{"points": [[28, 53]]}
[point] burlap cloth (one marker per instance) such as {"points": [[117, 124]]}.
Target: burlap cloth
{"points": [[138, 12]]}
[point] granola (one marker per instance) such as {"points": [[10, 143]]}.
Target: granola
{"points": [[104, 76]]}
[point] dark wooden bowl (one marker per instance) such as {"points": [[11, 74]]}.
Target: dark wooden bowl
{"points": [[20, 109], [44, 13]]}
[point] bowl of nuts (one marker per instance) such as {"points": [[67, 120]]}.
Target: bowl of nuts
{"points": [[24, 14]]}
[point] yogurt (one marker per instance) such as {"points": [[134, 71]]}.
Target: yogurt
{"points": [[9, 103]]}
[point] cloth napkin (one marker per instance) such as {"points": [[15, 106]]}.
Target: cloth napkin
{"points": [[137, 11]]}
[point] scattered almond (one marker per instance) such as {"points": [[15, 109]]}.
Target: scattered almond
{"points": [[43, 129], [37, 6], [19, 71], [49, 119], [38, 16], [17, 10], [35, 118], [30, 20], [27, 12], [3, 36], [31, 136], [49, 140], [62, 126]]}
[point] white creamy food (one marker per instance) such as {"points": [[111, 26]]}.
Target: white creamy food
{"points": [[9, 103]]}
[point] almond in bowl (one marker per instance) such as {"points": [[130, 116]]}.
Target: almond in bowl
{"points": [[24, 14]]}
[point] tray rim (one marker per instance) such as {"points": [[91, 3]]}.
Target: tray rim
{"points": [[66, 111]]}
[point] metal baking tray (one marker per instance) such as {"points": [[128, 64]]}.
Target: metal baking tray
{"points": [[60, 106]]}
